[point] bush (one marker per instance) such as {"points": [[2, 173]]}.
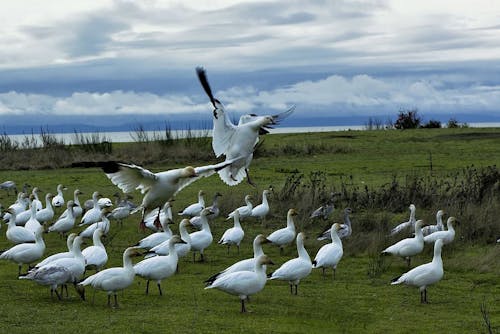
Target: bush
{"points": [[432, 124], [408, 119]]}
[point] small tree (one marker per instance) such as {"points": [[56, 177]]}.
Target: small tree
{"points": [[408, 119]]}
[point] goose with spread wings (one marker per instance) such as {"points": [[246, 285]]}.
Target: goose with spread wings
{"points": [[236, 142], [157, 187]]}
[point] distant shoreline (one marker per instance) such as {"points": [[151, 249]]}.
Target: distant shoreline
{"points": [[127, 136]]}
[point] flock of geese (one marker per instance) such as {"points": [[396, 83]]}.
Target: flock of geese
{"points": [[28, 219]]}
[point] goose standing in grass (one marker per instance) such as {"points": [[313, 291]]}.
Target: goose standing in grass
{"points": [[21, 204], [53, 276], [17, 234], [260, 211], [65, 224], [114, 279], [94, 214], [244, 211], [408, 247], [46, 214], [96, 255], [295, 269], [154, 221], [58, 200], [286, 235], [326, 209], [214, 208], [36, 199], [120, 213], [159, 267], [24, 215], [181, 248], [53, 257], [157, 187], [243, 265], [75, 264], [157, 238], [425, 274], [25, 253], [429, 229], [33, 224], [233, 235], [103, 224], [329, 255], [9, 186], [447, 235], [77, 208], [236, 142], [410, 223], [195, 208], [344, 232], [244, 283], [203, 238]]}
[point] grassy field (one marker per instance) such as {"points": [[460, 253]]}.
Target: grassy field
{"points": [[360, 300]]}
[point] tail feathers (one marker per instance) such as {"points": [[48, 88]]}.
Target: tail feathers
{"points": [[270, 275], [396, 280], [314, 263], [211, 279]]}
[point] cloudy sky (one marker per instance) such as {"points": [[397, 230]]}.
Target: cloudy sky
{"points": [[132, 61]]}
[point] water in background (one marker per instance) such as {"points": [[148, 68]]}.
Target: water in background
{"points": [[125, 137]]}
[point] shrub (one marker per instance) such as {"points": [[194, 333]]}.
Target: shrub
{"points": [[432, 124], [408, 119]]}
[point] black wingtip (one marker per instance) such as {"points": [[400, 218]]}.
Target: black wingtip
{"points": [[110, 167], [202, 76], [211, 279], [395, 279]]}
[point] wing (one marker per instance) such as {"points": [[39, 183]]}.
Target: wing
{"points": [[129, 177]]}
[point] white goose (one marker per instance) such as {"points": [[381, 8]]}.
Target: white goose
{"points": [[233, 235], [74, 263], [33, 224], [407, 224], [153, 221], [181, 248], [103, 224], [52, 276], [429, 229], [77, 209], [46, 214], [236, 142], [24, 215], [94, 214], [261, 210], [53, 257], [425, 274], [17, 234], [295, 269], [25, 253], [58, 200], [21, 203], [38, 203], [195, 221], [329, 255], [243, 265], [157, 187], [116, 278], [244, 211], [159, 267], [195, 208], [244, 283], [65, 224], [96, 255], [156, 238], [447, 235], [203, 238], [408, 247], [286, 235]]}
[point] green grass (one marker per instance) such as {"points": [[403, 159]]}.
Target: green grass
{"points": [[355, 302]]}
